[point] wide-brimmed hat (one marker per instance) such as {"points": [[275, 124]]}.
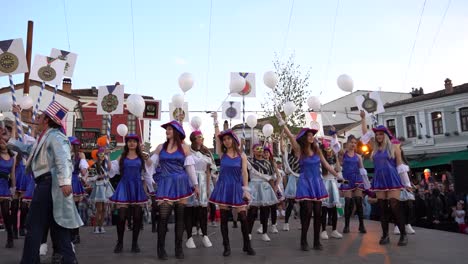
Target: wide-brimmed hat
{"points": [[56, 112], [304, 131], [231, 133], [74, 141], [132, 136], [266, 148], [382, 128], [177, 126]]}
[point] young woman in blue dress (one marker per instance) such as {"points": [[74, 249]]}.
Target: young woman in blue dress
{"points": [[386, 183], [232, 188]]}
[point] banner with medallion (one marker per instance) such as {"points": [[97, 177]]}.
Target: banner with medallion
{"points": [[12, 57], [47, 69], [370, 103], [68, 57], [110, 100], [249, 88], [231, 110], [152, 110], [179, 113]]}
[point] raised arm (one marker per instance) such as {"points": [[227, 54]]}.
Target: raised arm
{"points": [[216, 128], [363, 122], [295, 146], [328, 166]]}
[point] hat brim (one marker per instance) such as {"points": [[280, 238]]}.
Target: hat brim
{"points": [[182, 133], [230, 133], [304, 132], [385, 130]]}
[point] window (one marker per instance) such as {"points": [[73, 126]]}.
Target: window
{"points": [[437, 127], [464, 118], [131, 124], [104, 125], [354, 108], [391, 126], [411, 126]]}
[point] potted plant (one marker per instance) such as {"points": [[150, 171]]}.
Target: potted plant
{"points": [[447, 134]]}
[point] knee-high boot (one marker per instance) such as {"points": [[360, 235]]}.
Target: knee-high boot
{"points": [[395, 207], [120, 229], [225, 232], [317, 206], [245, 234], [384, 218], [165, 210], [137, 223], [305, 213], [348, 209], [179, 230], [360, 213]]}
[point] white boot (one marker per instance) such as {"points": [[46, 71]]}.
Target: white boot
{"points": [[190, 243], [324, 235], [409, 229], [266, 238], [96, 230], [274, 229], [396, 230], [336, 234], [286, 227], [43, 249], [101, 229], [206, 241], [260, 230], [250, 236]]}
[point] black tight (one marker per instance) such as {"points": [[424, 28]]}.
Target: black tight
{"points": [[306, 214], [203, 217], [23, 214], [289, 209], [5, 208], [273, 210], [330, 212], [14, 207], [252, 216]]}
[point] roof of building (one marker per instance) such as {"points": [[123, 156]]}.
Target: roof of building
{"points": [[47, 87], [358, 91], [93, 92], [437, 94]]}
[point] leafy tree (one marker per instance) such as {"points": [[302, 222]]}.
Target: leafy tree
{"points": [[292, 84]]}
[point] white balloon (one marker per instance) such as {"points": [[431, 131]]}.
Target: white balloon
{"points": [[345, 83], [122, 130], [267, 130], [237, 84], [178, 100], [136, 105], [270, 79], [289, 108], [314, 103], [196, 122], [25, 102], [5, 103], [251, 121], [185, 81]]}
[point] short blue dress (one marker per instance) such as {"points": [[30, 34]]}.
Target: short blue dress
{"points": [[130, 188], [77, 186], [386, 177], [28, 194], [19, 175], [228, 189], [351, 173], [6, 167], [173, 183], [310, 184]]}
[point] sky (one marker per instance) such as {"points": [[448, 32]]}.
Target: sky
{"points": [[372, 42]]}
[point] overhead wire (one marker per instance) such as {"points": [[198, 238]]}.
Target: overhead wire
{"points": [[66, 23], [285, 41]]}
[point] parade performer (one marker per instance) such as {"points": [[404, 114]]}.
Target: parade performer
{"points": [[199, 207], [275, 184], [80, 170], [386, 182], [102, 188], [130, 190], [310, 188], [7, 172], [332, 202], [261, 174], [292, 170], [52, 204], [176, 183], [353, 172], [231, 189]]}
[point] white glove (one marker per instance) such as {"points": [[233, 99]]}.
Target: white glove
{"points": [[280, 119], [246, 194]]}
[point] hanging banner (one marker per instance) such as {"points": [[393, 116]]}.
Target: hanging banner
{"points": [[47, 69], [110, 100], [370, 103], [183, 112], [68, 57], [12, 57], [152, 110], [249, 88], [231, 110]]}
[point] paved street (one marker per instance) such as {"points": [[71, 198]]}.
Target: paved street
{"points": [[427, 246]]}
